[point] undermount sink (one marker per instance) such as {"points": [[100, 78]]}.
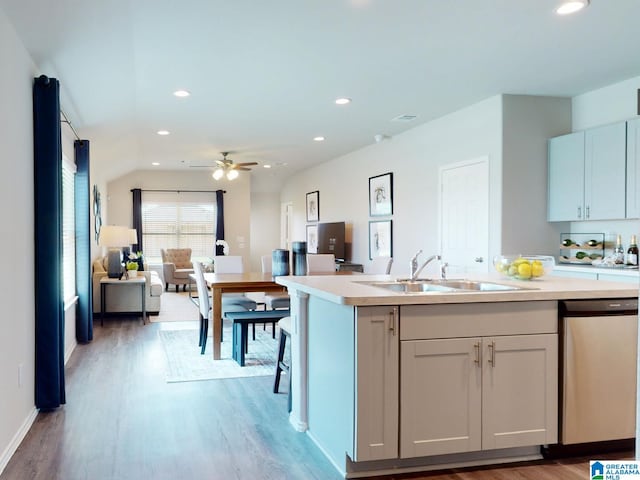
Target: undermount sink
{"points": [[441, 286]]}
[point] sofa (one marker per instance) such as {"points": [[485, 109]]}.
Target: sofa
{"points": [[176, 267], [126, 300]]}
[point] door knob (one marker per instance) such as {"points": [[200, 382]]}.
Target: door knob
{"points": [[479, 260]]}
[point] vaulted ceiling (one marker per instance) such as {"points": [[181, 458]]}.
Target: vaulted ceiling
{"points": [[264, 75]]}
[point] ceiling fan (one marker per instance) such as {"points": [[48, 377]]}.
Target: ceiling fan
{"points": [[230, 169]]}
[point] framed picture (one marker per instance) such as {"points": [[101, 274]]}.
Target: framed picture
{"points": [[312, 238], [380, 239], [313, 206], [381, 195]]}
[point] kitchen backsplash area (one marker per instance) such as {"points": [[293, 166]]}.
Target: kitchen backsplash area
{"points": [[611, 230]]}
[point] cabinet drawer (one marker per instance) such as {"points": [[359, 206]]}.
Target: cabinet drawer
{"points": [[477, 319]]}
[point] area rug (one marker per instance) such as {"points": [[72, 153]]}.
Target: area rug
{"points": [[186, 364]]}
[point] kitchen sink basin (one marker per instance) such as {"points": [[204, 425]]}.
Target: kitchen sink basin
{"points": [[440, 286]]}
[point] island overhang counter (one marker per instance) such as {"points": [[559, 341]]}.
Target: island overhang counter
{"points": [[363, 380]]}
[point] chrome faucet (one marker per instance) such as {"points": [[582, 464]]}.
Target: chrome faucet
{"points": [[414, 270]]}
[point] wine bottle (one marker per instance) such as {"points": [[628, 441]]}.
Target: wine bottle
{"points": [[618, 251], [632, 252]]}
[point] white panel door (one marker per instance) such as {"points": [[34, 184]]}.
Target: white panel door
{"points": [[464, 215]]}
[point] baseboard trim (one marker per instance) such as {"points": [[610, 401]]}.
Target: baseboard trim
{"points": [[17, 439]]}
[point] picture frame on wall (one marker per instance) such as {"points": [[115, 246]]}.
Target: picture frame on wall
{"points": [[381, 195], [312, 238], [380, 239], [313, 206]]}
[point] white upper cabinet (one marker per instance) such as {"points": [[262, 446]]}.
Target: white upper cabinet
{"points": [[605, 172], [633, 168], [566, 177], [587, 175]]}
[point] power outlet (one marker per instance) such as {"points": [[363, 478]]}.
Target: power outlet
{"points": [[20, 374]]}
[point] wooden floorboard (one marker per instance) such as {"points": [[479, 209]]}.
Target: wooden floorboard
{"points": [[123, 421]]}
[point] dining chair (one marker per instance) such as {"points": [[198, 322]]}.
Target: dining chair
{"points": [[321, 263], [233, 264], [380, 265], [205, 306], [273, 300]]}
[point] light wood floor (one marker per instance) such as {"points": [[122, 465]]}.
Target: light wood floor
{"points": [[123, 421]]}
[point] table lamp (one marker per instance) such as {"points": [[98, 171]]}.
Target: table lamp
{"points": [[114, 238]]}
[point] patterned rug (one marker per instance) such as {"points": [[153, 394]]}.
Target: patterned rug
{"points": [[186, 364]]}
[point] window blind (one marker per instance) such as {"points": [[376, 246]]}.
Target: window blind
{"points": [[178, 220], [68, 230]]}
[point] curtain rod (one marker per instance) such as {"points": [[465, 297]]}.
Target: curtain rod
{"points": [[66, 120], [181, 191]]}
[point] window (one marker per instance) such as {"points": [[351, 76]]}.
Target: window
{"points": [[68, 230], [178, 220]]}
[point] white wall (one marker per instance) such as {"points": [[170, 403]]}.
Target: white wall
{"points": [[17, 329], [528, 122], [414, 157], [265, 226], [237, 200], [614, 103]]}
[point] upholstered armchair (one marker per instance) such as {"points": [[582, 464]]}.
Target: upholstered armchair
{"points": [[176, 267]]}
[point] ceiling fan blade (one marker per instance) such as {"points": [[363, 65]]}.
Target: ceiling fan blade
{"points": [[244, 169], [221, 163], [246, 164]]}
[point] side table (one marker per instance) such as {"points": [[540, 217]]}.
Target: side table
{"points": [[137, 281]]}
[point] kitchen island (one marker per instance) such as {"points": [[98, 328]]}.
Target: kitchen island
{"points": [[386, 381]]}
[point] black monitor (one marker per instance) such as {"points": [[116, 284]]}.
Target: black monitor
{"points": [[331, 239]]}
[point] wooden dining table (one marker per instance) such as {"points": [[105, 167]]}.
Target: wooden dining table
{"points": [[220, 283]]}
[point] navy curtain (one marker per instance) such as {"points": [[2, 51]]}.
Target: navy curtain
{"points": [[49, 304], [137, 217], [219, 221], [84, 310]]}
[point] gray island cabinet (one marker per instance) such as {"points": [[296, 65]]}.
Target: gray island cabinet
{"points": [[387, 382]]}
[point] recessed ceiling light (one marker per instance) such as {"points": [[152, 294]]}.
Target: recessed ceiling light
{"points": [[267, 165], [318, 139], [181, 93], [155, 164], [571, 6], [163, 132], [343, 101]]}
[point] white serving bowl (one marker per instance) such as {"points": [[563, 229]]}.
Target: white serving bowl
{"points": [[524, 267]]}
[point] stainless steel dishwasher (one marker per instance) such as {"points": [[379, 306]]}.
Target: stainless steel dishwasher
{"points": [[598, 373]]}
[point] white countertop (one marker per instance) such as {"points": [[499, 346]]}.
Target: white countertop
{"points": [[623, 271], [346, 289]]}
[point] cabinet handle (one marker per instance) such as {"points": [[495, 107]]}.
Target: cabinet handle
{"points": [[579, 212], [393, 314], [492, 356], [587, 211], [476, 346]]}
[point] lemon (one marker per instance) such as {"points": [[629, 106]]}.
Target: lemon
{"points": [[537, 270], [513, 270], [524, 270]]}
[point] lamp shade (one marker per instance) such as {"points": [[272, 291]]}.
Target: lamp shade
{"points": [[114, 236], [133, 236]]}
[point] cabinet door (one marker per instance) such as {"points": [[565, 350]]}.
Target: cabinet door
{"points": [[633, 168], [605, 172], [440, 392], [566, 178], [519, 391], [376, 424]]}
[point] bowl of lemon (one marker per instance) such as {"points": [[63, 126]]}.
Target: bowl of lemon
{"points": [[524, 267]]}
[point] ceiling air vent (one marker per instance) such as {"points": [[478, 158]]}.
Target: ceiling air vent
{"points": [[404, 118]]}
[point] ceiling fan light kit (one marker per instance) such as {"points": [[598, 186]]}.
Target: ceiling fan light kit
{"points": [[229, 169]]}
